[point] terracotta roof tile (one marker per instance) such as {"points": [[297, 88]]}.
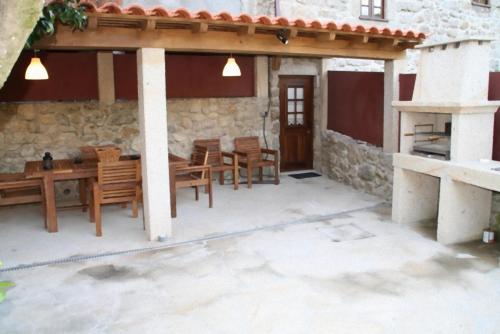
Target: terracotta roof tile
{"points": [[112, 8]]}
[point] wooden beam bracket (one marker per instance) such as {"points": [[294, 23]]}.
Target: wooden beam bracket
{"points": [[199, 27], [247, 30], [326, 36]]}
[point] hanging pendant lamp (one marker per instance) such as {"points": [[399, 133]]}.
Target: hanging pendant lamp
{"points": [[231, 69], [36, 70]]}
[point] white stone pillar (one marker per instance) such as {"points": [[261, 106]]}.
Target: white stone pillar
{"points": [[415, 196], [392, 69], [154, 139], [472, 136], [106, 77], [464, 211], [323, 72]]}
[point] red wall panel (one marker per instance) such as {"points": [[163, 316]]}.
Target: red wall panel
{"points": [[189, 76], [407, 83], [72, 76], [356, 105]]}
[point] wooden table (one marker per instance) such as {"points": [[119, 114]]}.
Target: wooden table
{"points": [[63, 170], [87, 170], [174, 162]]}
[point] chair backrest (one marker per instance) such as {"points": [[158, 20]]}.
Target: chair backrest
{"points": [[200, 158], [108, 154], [249, 145], [119, 180], [88, 152], [214, 150]]}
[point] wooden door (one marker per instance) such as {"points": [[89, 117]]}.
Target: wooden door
{"points": [[296, 122]]}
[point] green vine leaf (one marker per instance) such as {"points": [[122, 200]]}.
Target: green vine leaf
{"points": [[67, 12]]}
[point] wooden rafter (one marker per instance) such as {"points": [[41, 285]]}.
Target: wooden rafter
{"points": [[125, 32]]}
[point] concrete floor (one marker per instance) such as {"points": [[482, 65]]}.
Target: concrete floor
{"points": [[309, 269], [23, 239]]}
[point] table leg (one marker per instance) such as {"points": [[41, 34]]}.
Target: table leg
{"points": [[173, 193], [82, 184], [50, 203]]}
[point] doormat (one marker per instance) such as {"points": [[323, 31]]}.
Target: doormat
{"points": [[307, 175]]}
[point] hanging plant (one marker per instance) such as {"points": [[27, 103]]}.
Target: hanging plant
{"points": [[67, 12], [3, 287]]}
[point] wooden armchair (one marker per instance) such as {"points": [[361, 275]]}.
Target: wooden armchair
{"points": [[250, 157], [216, 160], [89, 153], [199, 173], [117, 182], [16, 189]]}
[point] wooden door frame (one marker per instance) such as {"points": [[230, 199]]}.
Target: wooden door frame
{"points": [[311, 77]]}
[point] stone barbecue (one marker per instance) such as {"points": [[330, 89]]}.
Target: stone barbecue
{"points": [[451, 87]]}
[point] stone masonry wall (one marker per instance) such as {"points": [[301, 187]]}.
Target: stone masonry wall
{"points": [[358, 164], [27, 130]]}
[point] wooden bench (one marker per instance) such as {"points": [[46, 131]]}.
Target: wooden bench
{"points": [[16, 189]]}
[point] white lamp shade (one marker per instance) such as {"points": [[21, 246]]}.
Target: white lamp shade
{"points": [[36, 70], [231, 69]]}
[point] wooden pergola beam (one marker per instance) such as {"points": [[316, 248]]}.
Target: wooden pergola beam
{"points": [[183, 40]]}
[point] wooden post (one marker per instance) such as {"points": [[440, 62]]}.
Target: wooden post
{"points": [[105, 77]]}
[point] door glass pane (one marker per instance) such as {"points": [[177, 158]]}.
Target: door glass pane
{"points": [[291, 106], [300, 119], [291, 119], [364, 11], [300, 106], [291, 93], [300, 93]]}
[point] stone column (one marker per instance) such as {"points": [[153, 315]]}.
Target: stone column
{"points": [[106, 77], [464, 211], [392, 69], [415, 196], [323, 72], [154, 140]]}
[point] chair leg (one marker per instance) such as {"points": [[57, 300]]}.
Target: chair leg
{"points": [[97, 212], [210, 193], [135, 211], [91, 208], [197, 192], [249, 175], [276, 172], [261, 174], [221, 178], [236, 177]]}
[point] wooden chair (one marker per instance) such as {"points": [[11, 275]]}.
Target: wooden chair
{"points": [[16, 189], [216, 160], [117, 182], [88, 153], [199, 173], [250, 157]]}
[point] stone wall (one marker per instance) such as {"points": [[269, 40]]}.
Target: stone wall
{"points": [[27, 130], [356, 163]]}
